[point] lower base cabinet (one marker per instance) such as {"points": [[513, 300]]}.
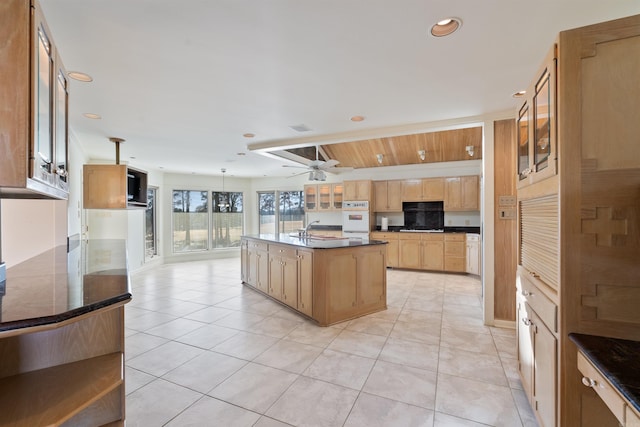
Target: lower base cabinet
{"points": [[393, 246], [327, 285]]}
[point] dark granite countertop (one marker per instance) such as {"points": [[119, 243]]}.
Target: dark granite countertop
{"points": [[317, 242], [58, 285], [401, 228], [617, 359]]}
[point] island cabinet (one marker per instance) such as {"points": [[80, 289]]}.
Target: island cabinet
{"points": [[358, 190], [387, 196], [393, 246], [348, 284], [329, 280], [462, 193], [423, 190], [33, 107], [257, 265], [578, 228]]}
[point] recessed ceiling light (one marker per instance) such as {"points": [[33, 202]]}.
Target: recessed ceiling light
{"points": [[82, 77], [444, 27], [132, 157], [242, 154], [357, 118], [519, 94], [248, 135], [92, 116]]}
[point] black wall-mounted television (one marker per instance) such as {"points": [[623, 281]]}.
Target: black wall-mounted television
{"points": [[136, 188]]}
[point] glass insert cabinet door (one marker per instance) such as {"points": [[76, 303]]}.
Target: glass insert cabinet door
{"points": [[542, 131], [43, 144], [523, 142], [62, 126]]}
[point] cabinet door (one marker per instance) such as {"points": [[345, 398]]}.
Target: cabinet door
{"points": [[473, 258], [371, 278], [61, 158], [525, 346], [244, 261], [337, 191], [310, 198], [305, 282], [523, 162], [380, 196], [393, 253], [544, 378], [470, 192], [410, 253], [433, 189], [290, 281], [105, 186], [363, 190], [412, 190], [43, 144], [394, 196], [350, 190], [275, 276], [324, 197], [433, 255], [453, 193], [262, 275]]}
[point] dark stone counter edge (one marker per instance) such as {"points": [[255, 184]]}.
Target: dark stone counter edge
{"points": [[61, 317], [618, 361], [449, 229]]}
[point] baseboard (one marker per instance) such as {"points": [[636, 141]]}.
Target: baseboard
{"points": [[506, 324]]}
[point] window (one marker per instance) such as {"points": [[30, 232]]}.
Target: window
{"points": [[190, 220], [291, 211], [267, 212], [150, 235], [227, 219]]}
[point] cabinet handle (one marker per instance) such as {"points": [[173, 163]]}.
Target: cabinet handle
{"points": [[526, 321], [589, 382], [527, 293], [532, 274]]}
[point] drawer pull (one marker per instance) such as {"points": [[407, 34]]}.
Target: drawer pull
{"points": [[526, 321], [589, 382], [532, 274], [527, 293]]}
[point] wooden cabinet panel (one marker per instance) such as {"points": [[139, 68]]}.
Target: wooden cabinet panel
{"points": [[371, 279], [410, 252], [412, 190], [462, 193], [357, 190], [473, 254], [433, 189], [342, 275], [600, 385], [387, 196], [324, 197], [544, 372], [524, 346], [433, 255], [114, 187], [454, 252], [393, 246], [305, 282], [633, 419], [337, 191], [310, 198]]}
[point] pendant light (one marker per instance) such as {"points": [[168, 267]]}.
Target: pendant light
{"points": [[223, 205]]}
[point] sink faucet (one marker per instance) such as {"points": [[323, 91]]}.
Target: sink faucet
{"points": [[306, 229]]}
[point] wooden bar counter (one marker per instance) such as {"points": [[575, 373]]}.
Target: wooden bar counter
{"points": [[325, 278], [62, 337]]}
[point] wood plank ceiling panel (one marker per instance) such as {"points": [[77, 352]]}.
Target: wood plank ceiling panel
{"points": [[441, 146]]}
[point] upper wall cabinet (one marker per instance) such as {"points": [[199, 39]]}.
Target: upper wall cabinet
{"points": [[387, 196], [537, 136], [462, 193], [423, 190], [357, 190], [33, 106], [114, 187]]}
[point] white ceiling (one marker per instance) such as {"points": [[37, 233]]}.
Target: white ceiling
{"points": [[181, 81]]}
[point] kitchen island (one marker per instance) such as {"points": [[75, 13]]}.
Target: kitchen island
{"points": [[62, 337], [324, 278]]}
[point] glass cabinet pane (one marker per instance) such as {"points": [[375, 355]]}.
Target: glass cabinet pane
{"points": [[62, 97], [523, 142], [324, 192], [542, 130], [43, 144]]}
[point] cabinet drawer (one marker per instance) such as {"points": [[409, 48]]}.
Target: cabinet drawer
{"points": [[410, 236], [543, 306], [594, 379], [282, 251], [384, 236], [454, 237], [433, 237], [473, 237], [632, 419], [456, 249], [258, 245]]}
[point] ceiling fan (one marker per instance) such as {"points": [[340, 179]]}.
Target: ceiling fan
{"points": [[317, 168]]}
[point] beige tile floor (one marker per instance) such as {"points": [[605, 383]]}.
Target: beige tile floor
{"points": [[202, 350]]}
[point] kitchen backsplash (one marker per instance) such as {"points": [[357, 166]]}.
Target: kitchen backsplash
{"points": [[462, 219]]}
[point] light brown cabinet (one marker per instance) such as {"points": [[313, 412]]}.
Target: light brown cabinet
{"points": [[473, 254], [393, 246], [462, 193], [34, 106], [423, 190], [432, 252], [454, 252], [114, 187], [537, 123], [257, 268], [283, 274], [305, 282], [358, 190], [387, 196], [323, 197], [410, 249]]}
